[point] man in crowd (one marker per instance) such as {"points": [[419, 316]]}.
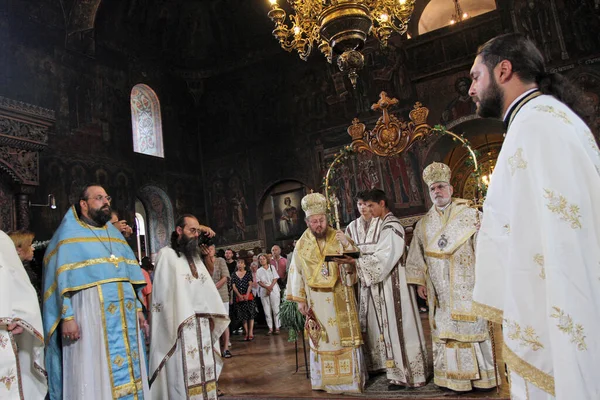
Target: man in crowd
{"points": [[188, 317], [230, 261], [121, 224], [441, 261], [280, 264], [217, 268], [324, 293], [392, 321], [538, 248], [22, 372], [92, 315]]}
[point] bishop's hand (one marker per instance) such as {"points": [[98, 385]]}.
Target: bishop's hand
{"points": [[303, 308]]}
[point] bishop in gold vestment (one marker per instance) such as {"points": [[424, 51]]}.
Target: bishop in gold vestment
{"points": [[324, 292], [441, 260]]}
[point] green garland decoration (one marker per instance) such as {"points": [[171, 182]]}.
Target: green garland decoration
{"points": [[291, 319]]}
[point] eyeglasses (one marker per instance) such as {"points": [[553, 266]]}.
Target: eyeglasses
{"points": [[100, 198], [193, 231]]}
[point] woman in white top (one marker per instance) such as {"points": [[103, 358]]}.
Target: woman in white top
{"points": [[269, 292]]}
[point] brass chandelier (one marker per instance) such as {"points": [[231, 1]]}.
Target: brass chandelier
{"points": [[339, 27]]}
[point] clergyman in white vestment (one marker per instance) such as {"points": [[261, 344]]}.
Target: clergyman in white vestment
{"points": [[392, 314], [187, 319], [538, 251], [441, 261], [22, 370]]}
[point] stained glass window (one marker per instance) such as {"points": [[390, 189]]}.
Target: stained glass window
{"points": [[146, 121]]}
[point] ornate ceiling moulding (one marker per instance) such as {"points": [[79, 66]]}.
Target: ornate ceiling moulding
{"points": [[391, 135]]}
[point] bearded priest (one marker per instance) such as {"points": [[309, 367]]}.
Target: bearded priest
{"points": [[187, 318], [325, 295], [92, 312], [441, 262]]}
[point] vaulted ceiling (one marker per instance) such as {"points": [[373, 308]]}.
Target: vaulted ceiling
{"points": [[206, 36]]}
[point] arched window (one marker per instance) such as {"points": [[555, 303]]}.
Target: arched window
{"points": [[146, 122]]}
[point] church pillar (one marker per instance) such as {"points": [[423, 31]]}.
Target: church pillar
{"points": [[23, 214]]}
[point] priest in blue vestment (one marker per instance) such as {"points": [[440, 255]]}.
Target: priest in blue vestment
{"points": [[92, 313]]}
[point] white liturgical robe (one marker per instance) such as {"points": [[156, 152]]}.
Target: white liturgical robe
{"points": [[188, 317], [538, 252], [389, 307], [22, 375]]}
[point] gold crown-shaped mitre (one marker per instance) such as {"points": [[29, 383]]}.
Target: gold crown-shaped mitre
{"points": [[314, 204], [436, 172]]}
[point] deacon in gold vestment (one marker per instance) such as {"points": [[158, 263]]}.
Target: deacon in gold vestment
{"points": [[441, 260], [324, 293]]}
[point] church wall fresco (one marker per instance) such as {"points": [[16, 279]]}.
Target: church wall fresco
{"points": [[239, 113], [91, 139]]}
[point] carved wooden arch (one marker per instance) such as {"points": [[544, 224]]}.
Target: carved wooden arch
{"points": [[23, 134]]}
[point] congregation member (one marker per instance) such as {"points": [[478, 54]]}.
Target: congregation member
{"points": [[441, 262], [23, 241], [280, 264], [92, 313], [22, 369], [244, 299], [269, 292], [538, 248], [121, 224], [217, 268], [188, 318], [325, 295], [392, 322]]}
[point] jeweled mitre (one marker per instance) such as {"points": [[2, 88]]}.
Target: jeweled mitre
{"points": [[314, 204], [436, 172]]}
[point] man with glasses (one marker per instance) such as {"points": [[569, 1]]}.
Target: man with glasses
{"points": [[441, 261], [92, 314]]}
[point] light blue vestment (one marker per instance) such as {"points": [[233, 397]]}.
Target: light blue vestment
{"points": [[79, 257]]}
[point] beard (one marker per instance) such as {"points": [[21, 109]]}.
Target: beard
{"points": [[490, 105], [100, 215], [320, 235], [188, 246]]}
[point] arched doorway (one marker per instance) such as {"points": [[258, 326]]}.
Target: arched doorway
{"points": [[159, 218]]}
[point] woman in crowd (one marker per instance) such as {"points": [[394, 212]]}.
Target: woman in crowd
{"points": [[269, 292], [23, 241], [244, 299]]}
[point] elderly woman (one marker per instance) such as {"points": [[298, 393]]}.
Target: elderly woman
{"points": [[245, 309], [269, 292]]}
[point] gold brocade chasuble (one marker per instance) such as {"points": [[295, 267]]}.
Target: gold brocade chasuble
{"points": [[443, 236], [322, 277]]}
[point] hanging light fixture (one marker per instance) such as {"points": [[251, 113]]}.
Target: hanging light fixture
{"points": [[458, 15], [339, 27]]}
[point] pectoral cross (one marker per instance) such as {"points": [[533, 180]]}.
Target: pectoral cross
{"points": [[114, 260]]}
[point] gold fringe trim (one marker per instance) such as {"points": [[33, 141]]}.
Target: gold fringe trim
{"points": [[463, 317], [527, 371], [487, 312]]}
